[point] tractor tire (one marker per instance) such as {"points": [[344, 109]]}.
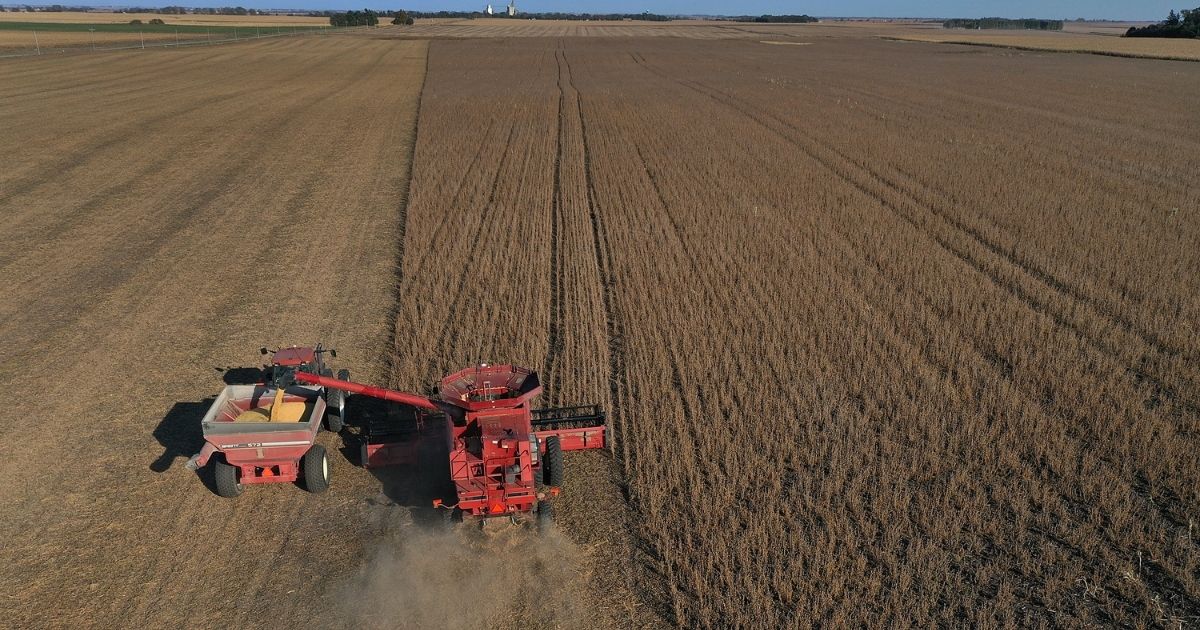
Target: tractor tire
{"points": [[552, 463], [226, 477], [344, 375], [335, 410], [315, 467], [545, 516]]}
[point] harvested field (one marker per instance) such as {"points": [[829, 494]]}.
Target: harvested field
{"points": [[889, 333], [56, 42], [685, 29], [1093, 38], [156, 231], [101, 17]]}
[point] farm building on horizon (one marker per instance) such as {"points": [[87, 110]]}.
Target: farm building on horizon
{"points": [[510, 10]]}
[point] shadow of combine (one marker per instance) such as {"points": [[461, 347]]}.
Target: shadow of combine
{"points": [[412, 486]]}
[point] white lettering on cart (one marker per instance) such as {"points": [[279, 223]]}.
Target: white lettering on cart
{"points": [[265, 444]]}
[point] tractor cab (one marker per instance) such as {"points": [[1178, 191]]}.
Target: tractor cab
{"points": [[285, 362]]}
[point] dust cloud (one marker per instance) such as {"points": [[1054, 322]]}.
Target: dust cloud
{"points": [[504, 576]]}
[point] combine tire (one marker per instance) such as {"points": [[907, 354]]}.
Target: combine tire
{"points": [[226, 477], [315, 467], [552, 463], [545, 515], [335, 409]]}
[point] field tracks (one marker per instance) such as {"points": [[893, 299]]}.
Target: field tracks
{"points": [[618, 377], [554, 341], [390, 352], [110, 137], [1012, 275], [480, 217], [179, 215]]}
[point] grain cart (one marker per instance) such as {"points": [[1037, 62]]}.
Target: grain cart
{"points": [[500, 448], [265, 432]]}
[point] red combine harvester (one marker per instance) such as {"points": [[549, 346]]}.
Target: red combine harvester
{"points": [[500, 447]]}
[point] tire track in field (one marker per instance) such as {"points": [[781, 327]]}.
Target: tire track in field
{"points": [[63, 222], [618, 375], [172, 568], [975, 234], [48, 172], [640, 557], [554, 338], [390, 351], [450, 321], [1164, 389], [895, 182], [110, 272], [1072, 156], [132, 71]]}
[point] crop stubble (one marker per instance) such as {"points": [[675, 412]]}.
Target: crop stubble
{"points": [[157, 230], [888, 332]]}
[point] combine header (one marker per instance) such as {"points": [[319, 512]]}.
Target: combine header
{"points": [[500, 448]]}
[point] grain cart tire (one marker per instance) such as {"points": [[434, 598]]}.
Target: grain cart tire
{"points": [[335, 409], [316, 469], [545, 516], [226, 477], [552, 465]]}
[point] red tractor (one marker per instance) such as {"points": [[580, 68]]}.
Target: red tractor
{"points": [[285, 362], [500, 447]]}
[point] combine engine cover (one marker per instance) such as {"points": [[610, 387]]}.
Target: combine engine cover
{"points": [[492, 461]]}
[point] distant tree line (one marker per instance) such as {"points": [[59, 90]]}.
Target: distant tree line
{"points": [[470, 15], [1184, 24], [1004, 23], [776, 19], [366, 17], [177, 10]]}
